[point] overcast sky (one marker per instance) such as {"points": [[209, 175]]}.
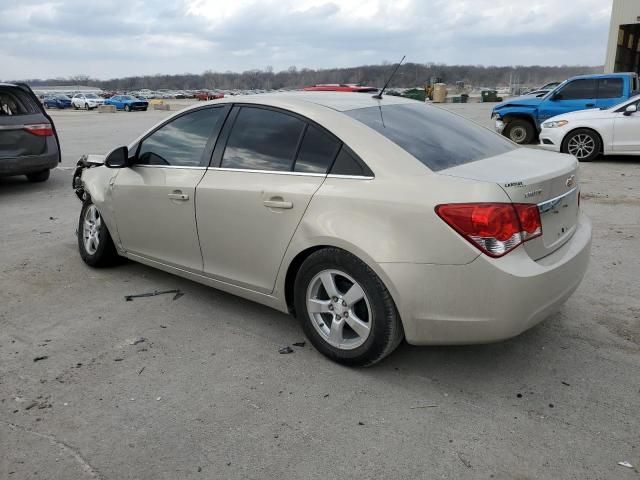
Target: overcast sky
{"points": [[114, 38]]}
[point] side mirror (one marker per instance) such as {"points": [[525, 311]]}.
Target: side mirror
{"points": [[118, 158], [556, 96], [631, 109]]}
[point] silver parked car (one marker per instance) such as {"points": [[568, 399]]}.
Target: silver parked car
{"points": [[371, 220]]}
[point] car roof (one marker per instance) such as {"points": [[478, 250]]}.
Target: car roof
{"points": [[338, 101], [602, 75]]}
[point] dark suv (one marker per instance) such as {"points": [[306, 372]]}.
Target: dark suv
{"points": [[28, 140]]}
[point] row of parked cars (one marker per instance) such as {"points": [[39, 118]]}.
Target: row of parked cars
{"points": [[89, 101]]}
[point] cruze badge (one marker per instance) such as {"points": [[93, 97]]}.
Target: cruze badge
{"points": [[571, 181], [533, 193]]}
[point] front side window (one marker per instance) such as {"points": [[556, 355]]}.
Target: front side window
{"points": [[435, 137], [182, 141], [610, 88], [578, 90], [262, 139]]}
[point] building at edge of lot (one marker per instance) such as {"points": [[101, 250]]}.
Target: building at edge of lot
{"points": [[623, 49]]}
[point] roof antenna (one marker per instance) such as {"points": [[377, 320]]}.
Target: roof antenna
{"points": [[379, 95]]}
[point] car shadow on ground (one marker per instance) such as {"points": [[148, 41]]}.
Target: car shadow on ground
{"points": [[517, 358]]}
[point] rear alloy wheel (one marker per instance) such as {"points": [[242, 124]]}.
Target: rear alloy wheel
{"points": [[520, 131], [41, 176], [127, 108], [86, 107], [94, 241], [345, 309], [583, 144]]}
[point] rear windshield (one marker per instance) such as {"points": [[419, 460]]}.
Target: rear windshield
{"points": [[437, 138], [14, 101]]}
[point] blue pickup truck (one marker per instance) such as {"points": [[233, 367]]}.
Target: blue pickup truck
{"points": [[520, 118]]}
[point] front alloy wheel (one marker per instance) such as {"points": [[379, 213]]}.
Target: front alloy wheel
{"points": [[583, 144], [94, 241]]}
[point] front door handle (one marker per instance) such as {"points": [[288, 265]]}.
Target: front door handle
{"points": [[590, 105], [178, 196], [278, 204]]}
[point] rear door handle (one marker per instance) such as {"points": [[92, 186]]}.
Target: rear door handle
{"points": [[278, 204], [178, 196]]}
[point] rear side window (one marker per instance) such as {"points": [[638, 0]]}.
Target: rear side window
{"points": [[578, 90], [316, 152], [347, 164], [14, 101], [435, 137], [610, 88], [182, 141], [262, 139]]}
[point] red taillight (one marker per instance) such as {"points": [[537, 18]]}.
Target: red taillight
{"points": [[40, 129], [494, 228]]}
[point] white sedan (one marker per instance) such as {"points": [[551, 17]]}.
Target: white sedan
{"points": [[88, 101], [372, 220], [588, 133]]}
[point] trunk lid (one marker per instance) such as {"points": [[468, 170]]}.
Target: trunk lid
{"points": [[529, 175]]}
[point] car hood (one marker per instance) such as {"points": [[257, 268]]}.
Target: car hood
{"points": [[592, 113], [529, 101]]}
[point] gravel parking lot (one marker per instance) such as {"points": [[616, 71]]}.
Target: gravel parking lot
{"points": [[92, 386]]}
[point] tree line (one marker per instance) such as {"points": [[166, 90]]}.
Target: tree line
{"points": [[409, 75]]}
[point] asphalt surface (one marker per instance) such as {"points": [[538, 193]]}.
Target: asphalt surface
{"points": [[158, 388]]}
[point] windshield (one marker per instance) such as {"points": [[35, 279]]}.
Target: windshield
{"points": [[437, 138], [127, 97], [91, 95], [628, 101]]}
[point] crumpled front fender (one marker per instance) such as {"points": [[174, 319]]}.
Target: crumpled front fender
{"points": [[92, 180]]}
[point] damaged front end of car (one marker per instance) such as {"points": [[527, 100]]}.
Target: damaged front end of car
{"points": [[85, 162]]}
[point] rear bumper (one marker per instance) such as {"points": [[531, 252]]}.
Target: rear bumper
{"points": [[31, 164], [488, 299]]}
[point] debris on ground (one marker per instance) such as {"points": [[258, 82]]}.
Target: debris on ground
{"points": [[566, 384], [625, 464], [138, 340], [285, 350], [53, 218], [118, 359], [31, 405], [178, 293], [141, 370], [423, 406], [43, 357], [299, 344], [464, 461], [360, 423]]}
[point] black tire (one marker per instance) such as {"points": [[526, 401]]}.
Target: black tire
{"points": [[41, 176], [386, 331], [520, 131], [127, 108], [584, 133], [86, 107], [144, 109], [105, 254], [75, 107]]}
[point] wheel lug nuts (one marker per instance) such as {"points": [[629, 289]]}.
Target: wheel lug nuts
{"points": [[335, 299], [330, 307], [344, 304], [346, 314]]}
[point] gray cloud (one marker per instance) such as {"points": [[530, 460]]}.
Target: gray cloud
{"points": [[127, 37]]}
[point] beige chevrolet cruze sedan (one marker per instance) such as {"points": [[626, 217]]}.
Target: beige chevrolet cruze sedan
{"points": [[371, 220]]}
